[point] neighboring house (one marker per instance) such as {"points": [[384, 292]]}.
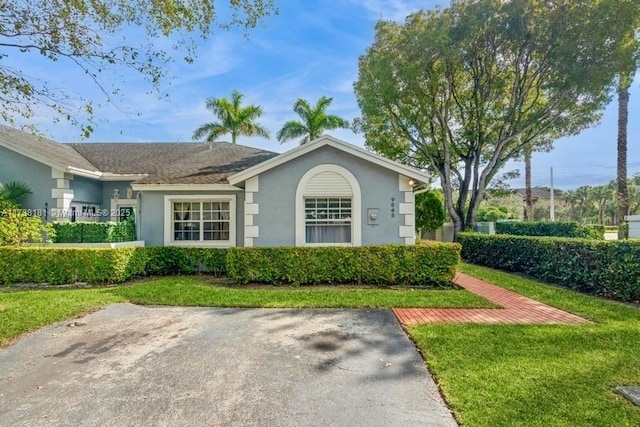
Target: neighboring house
{"points": [[326, 192], [516, 202], [541, 199]]}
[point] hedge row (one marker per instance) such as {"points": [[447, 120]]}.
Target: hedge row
{"points": [[94, 232], [58, 266], [606, 268], [551, 229], [430, 264]]}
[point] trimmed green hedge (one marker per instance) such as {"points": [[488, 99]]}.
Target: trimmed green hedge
{"points": [[425, 264], [168, 260], [94, 232], [58, 266], [429, 264], [606, 268], [551, 229]]}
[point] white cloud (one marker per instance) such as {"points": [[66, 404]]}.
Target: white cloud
{"points": [[397, 10]]}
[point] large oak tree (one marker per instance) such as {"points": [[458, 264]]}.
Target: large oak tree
{"points": [[461, 91], [101, 37]]}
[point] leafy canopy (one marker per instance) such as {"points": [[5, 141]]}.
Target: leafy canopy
{"points": [[18, 228], [461, 91], [314, 121], [101, 37], [235, 119], [430, 213]]}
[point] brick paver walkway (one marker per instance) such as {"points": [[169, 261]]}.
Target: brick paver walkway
{"points": [[516, 309]]}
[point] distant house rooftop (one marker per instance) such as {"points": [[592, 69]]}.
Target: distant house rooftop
{"points": [[536, 193]]}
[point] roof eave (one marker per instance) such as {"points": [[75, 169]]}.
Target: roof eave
{"points": [[184, 187], [323, 141]]}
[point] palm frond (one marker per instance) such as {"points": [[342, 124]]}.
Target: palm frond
{"points": [[234, 119], [291, 130], [13, 191]]}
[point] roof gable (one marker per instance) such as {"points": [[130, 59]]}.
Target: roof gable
{"points": [[45, 151], [323, 141]]}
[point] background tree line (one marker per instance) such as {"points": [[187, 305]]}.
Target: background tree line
{"points": [[585, 204]]}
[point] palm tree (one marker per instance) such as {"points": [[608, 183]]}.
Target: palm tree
{"points": [[601, 195], [528, 199], [234, 119], [315, 121], [12, 192], [622, 193]]}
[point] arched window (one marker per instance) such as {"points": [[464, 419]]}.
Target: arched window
{"points": [[328, 207]]}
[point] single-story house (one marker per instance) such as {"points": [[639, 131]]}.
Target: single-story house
{"points": [[326, 192]]}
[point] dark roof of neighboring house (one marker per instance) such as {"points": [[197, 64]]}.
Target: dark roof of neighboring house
{"points": [[536, 193], [163, 163], [37, 146], [172, 163]]}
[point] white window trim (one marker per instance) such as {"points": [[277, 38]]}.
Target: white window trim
{"points": [[356, 205], [168, 219]]}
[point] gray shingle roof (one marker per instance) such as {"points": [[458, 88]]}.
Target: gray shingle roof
{"points": [[173, 163], [536, 193], [59, 154]]}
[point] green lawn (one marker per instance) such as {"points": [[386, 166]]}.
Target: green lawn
{"points": [[538, 375], [24, 311], [491, 375]]}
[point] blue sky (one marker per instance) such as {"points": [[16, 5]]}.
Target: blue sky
{"points": [[310, 49]]}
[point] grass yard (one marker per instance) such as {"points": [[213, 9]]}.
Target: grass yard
{"points": [[25, 311], [538, 375], [195, 292]]}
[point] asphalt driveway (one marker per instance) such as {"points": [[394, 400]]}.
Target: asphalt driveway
{"points": [[128, 365]]}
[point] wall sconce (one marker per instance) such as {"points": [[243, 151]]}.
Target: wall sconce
{"points": [[129, 192], [116, 193], [412, 182]]}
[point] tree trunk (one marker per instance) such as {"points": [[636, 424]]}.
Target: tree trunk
{"points": [[623, 119], [528, 199]]}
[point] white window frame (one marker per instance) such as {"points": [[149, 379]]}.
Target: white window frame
{"points": [[328, 221], [356, 205], [203, 198]]}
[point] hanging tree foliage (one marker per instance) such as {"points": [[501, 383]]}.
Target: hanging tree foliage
{"points": [[461, 91], [100, 36]]}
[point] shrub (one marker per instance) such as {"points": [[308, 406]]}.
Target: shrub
{"points": [[551, 229], [493, 213], [606, 268], [95, 232], [167, 260], [427, 264], [430, 213], [104, 265], [58, 266], [18, 228]]}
